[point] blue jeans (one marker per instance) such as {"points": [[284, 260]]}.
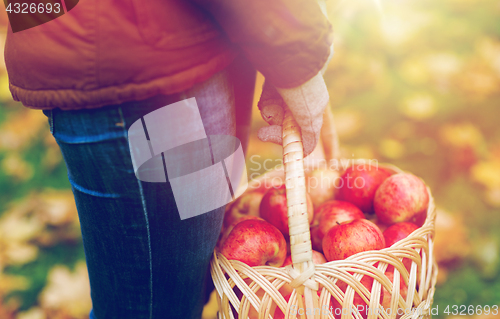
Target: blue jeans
{"points": [[143, 261]]}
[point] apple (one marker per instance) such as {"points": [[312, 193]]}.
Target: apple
{"points": [[252, 312], [274, 310], [245, 205], [255, 243], [359, 183], [316, 241], [328, 215], [273, 208], [396, 232], [352, 237], [317, 258], [320, 185], [279, 313], [403, 290], [227, 230], [402, 197], [374, 219], [419, 218], [357, 302]]}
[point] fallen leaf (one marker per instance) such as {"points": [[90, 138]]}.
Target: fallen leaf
{"points": [[17, 167], [33, 313], [451, 243], [67, 291], [391, 148], [56, 207], [487, 173], [461, 135], [347, 123], [20, 253], [419, 107], [20, 128], [10, 283]]}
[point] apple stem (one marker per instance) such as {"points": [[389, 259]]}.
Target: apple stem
{"points": [[338, 223]]}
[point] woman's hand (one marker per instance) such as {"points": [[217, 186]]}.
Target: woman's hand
{"points": [[307, 103]]}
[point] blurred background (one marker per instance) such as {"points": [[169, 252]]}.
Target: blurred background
{"points": [[415, 83]]}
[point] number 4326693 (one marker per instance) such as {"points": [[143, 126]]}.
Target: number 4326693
{"points": [[33, 8], [463, 310]]}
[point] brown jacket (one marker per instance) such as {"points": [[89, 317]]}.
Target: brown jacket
{"points": [[111, 51]]}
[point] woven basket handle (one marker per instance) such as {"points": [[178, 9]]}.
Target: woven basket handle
{"points": [[300, 238]]}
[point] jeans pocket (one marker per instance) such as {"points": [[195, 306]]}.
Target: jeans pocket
{"points": [[50, 117]]}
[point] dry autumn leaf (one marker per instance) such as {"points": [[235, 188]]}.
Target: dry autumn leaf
{"points": [[487, 173], [33, 313], [67, 292], [13, 133], [56, 207], [16, 167], [451, 244]]}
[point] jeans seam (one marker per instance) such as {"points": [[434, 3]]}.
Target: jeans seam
{"points": [[141, 191]]}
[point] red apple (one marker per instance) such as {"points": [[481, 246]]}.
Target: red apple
{"points": [[252, 312], [357, 302], [350, 238], [374, 219], [359, 183], [279, 313], [316, 241], [396, 232], [227, 230], [273, 209], [419, 218], [403, 290], [255, 243], [320, 185], [318, 259], [328, 215], [245, 205], [402, 197]]}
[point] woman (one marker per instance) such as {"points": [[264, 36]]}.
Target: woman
{"points": [[105, 64]]}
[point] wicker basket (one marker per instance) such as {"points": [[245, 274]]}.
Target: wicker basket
{"points": [[260, 285]]}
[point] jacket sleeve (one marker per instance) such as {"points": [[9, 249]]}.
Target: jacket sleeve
{"points": [[288, 41]]}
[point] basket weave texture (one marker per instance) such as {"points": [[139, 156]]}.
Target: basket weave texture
{"points": [[315, 285]]}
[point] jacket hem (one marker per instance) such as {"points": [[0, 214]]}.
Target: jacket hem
{"points": [[73, 99]]}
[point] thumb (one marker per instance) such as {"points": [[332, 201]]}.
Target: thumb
{"points": [[271, 134], [309, 141]]}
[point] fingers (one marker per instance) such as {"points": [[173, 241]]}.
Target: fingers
{"points": [[274, 135], [271, 109], [271, 105], [271, 134], [273, 114], [309, 141], [308, 101], [307, 104]]}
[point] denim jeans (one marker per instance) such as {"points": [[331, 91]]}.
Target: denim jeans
{"points": [[143, 261]]}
